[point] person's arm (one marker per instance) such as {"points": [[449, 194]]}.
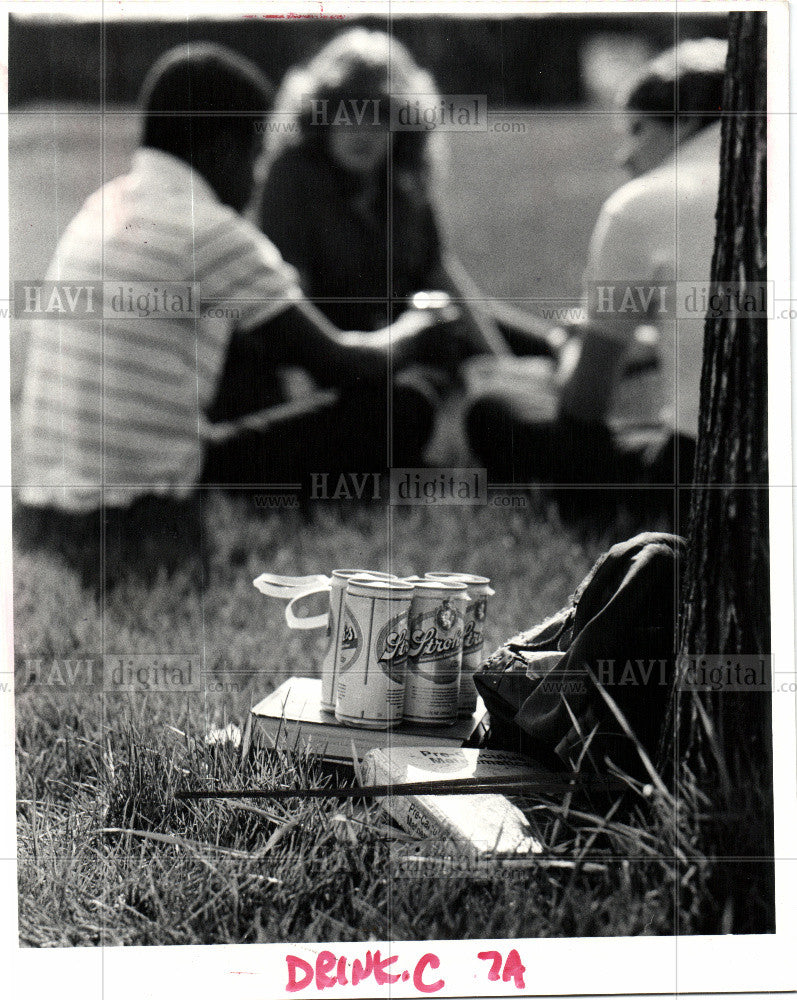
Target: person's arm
{"points": [[450, 276], [441, 271], [618, 255], [530, 334], [301, 335], [586, 391]]}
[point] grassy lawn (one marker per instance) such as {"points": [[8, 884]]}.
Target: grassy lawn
{"points": [[518, 209]]}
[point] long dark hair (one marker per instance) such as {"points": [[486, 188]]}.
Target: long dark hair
{"points": [[357, 65]]}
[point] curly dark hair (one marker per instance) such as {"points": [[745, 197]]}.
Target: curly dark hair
{"points": [[357, 65]]}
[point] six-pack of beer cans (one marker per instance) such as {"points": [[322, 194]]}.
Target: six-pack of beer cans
{"points": [[399, 648]]}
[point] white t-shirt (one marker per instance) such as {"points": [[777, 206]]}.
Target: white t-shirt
{"points": [[657, 232], [113, 405]]}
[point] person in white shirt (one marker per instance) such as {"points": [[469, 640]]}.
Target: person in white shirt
{"points": [[121, 384], [656, 230]]}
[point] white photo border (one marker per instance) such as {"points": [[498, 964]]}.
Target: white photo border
{"points": [[555, 967]]}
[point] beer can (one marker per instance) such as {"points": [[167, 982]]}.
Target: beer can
{"points": [[434, 659], [369, 690], [342, 635], [479, 590]]}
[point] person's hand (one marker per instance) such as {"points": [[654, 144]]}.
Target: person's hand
{"points": [[478, 332], [442, 341]]}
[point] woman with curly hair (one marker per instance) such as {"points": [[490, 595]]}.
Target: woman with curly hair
{"points": [[349, 198]]}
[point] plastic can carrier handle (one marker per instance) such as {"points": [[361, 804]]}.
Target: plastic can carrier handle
{"points": [[286, 587], [314, 621]]}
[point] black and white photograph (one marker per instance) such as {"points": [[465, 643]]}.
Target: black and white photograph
{"points": [[396, 546]]}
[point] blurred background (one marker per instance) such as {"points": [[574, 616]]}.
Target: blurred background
{"points": [[518, 202], [525, 61]]}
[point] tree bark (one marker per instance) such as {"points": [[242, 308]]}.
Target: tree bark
{"points": [[723, 739]]}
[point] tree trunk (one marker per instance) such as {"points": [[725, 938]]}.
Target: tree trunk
{"points": [[727, 748]]}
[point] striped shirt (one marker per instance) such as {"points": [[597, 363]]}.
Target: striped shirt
{"points": [[119, 375]]}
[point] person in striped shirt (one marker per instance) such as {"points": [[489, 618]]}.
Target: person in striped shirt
{"points": [[164, 309]]}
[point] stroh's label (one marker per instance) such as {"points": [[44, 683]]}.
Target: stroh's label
{"points": [[435, 656], [434, 636], [473, 638], [392, 646], [370, 688], [351, 641], [472, 652]]}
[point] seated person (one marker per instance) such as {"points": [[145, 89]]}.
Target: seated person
{"points": [[351, 205], [656, 229], [113, 407]]}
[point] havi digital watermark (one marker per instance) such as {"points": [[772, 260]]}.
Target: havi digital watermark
{"points": [[427, 487]]}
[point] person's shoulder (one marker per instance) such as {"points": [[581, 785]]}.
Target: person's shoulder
{"points": [[106, 199], [221, 231], [90, 227], [652, 195], [636, 217], [233, 253], [634, 222], [699, 164], [637, 199]]}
